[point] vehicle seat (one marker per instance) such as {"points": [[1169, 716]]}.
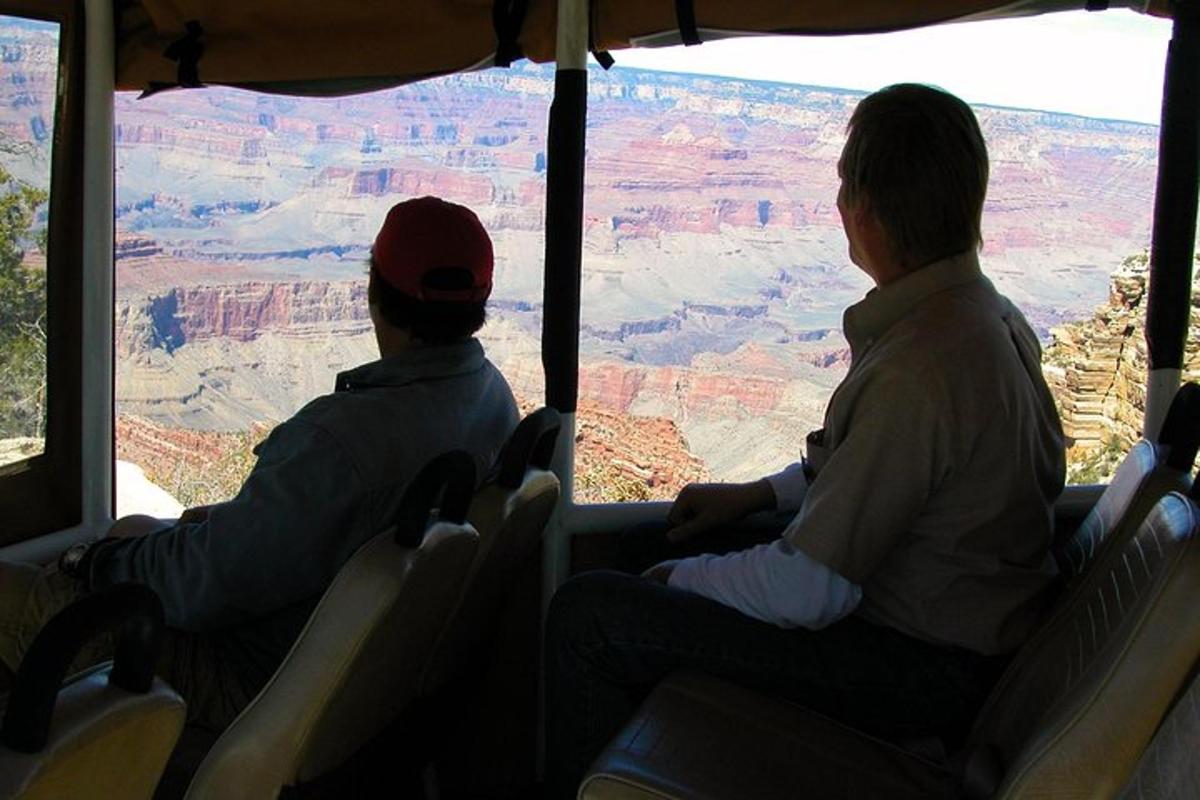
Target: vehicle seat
{"points": [[109, 730], [1148, 471], [1105, 667], [358, 661], [1069, 717], [510, 512], [1169, 769]]}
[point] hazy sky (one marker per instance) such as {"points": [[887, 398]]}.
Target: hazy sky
{"points": [[1106, 64]]}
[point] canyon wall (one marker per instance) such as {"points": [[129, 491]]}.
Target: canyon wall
{"points": [[1097, 368]]}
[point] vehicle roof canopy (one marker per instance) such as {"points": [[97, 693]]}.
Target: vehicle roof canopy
{"points": [[322, 47]]}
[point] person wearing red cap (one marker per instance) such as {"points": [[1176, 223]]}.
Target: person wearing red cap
{"points": [[239, 579]]}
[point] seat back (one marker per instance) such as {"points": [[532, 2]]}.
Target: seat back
{"points": [[1083, 697], [510, 512], [109, 731], [1169, 769], [1148, 471], [357, 662]]}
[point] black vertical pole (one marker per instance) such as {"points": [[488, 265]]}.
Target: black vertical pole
{"points": [[1173, 244], [564, 238]]}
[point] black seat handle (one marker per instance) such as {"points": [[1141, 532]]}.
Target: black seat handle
{"points": [[133, 611], [1181, 428], [531, 445], [444, 486]]}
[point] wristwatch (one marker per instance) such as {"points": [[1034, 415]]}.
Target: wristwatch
{"points": [[74, 560]]}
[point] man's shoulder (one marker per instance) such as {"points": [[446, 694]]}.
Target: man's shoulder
{"points": [[320, 410], [385, 410], [964, 319]]}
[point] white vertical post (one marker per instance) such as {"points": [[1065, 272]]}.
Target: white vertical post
{"points": [[97, 268], [571, 50], [557, 549], [1160, 391]]}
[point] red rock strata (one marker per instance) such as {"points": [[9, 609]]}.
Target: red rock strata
{"points": [[620, 457]]}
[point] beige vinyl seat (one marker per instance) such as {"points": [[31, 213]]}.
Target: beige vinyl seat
{"points": [[1148, 471], [510, 512], [1069, 717], [1169, 768], [358, 661], [109, 730], [477, 697]]}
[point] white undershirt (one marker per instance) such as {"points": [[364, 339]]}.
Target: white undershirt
{"points": [[775, 582]]}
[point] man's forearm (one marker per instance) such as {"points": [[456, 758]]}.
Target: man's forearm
{"points": [[771, 582]]}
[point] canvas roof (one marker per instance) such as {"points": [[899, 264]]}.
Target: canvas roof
{"points": [[336, 46]]}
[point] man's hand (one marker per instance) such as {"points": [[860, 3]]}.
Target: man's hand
{"points": [[702, 507], [661, 572]]}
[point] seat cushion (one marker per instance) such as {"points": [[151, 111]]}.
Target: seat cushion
{"points": [[700, 738], [351, 671], [1169, 769], [1082, 698]]}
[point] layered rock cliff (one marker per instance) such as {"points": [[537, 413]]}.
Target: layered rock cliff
{"points": [[243, 312], [1097, 370]]}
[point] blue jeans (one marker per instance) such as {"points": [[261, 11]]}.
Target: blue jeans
{"points": [[610, 637]]}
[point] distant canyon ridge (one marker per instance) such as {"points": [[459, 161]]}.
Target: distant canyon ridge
{"points": [[714, 268]]}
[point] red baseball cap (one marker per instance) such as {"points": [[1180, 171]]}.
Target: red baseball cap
{"points": [[428, 233]]}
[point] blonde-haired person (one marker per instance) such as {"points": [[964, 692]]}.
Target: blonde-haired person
{"points": [[917, 555]]}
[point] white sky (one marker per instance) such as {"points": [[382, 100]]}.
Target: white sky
{"points": [[1107, 64]]}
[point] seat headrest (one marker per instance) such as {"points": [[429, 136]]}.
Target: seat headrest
{"points": [[444, 486], [132, 610], [531, 445], [1181, 429]]}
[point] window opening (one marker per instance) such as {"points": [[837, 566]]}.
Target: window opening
{"points": [[715, 269], [29, 51], [243, 225]]}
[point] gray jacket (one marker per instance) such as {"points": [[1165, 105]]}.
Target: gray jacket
{"points": [[326, 481]]}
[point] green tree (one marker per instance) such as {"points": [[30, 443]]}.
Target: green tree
{"points": [[22, 310]]}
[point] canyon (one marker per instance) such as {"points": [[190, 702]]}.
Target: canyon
{"points": [[714, 267]]}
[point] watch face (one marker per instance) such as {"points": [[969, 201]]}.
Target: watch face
{"points": [[69, 562]]}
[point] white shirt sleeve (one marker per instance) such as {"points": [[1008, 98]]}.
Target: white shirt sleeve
{"points": [[790, 486], [772, 582]]}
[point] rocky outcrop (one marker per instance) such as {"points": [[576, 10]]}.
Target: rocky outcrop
{"points": [[691, 391], [620, 457], [241, 312], [195, 467], [130, 247], [1097, 368], [464, 187]]}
